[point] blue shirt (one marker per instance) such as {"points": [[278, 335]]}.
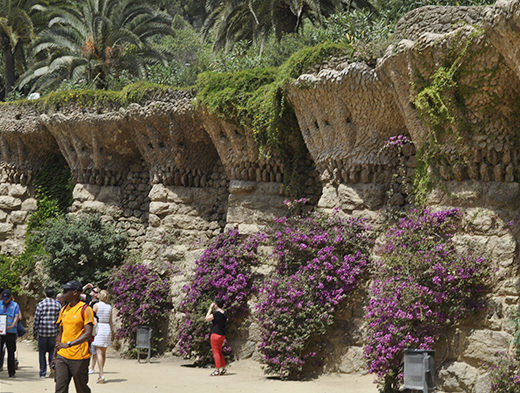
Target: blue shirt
{"points": [[11, 310]]}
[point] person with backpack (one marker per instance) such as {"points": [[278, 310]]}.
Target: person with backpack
{"points": [[71, 354], [12, 311], [45, 329]]}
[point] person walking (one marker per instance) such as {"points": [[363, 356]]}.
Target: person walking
{"points": [[94, 298], [103, 339], [45, 329], [12, 311], [71, 354], [218, 317]]}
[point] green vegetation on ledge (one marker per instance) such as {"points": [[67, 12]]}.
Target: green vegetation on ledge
{"points": [[99, 99], [256, 100]]}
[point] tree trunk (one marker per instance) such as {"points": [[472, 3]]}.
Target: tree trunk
{"points": [[9, 68]]}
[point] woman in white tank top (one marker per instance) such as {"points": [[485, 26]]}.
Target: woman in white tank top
{"points": [[103, 338]]}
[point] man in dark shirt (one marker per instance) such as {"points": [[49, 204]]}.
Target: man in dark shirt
{"points": [[45, 329]]}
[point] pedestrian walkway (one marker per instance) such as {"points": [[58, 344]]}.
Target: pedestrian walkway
{"points": [[169, 374]]}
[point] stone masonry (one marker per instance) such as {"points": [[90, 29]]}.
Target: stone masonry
{"points": [[173, 177]]}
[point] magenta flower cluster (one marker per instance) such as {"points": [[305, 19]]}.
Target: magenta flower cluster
{"points": [[397, 141], [320, 260], [504, 374], [141, 297], [224, 271], [421, 285]]}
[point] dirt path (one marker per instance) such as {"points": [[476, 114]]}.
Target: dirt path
{"points": [[169, 375]]}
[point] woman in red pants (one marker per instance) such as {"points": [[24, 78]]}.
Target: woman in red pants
{"points": [[217, 316]]}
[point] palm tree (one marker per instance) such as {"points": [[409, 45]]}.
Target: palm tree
{"points": [[18, 19], [95, 39], [253, 20]]}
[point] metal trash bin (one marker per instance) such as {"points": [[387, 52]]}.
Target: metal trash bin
{"points": [[143, 341], [419, 369]]}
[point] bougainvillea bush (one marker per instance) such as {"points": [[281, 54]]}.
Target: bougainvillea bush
{"points": [[320, 261], [505, 374], [224, 270], [141, 297], [421, 286]]}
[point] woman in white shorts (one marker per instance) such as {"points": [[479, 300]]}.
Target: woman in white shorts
{"points": [[103, 338]]}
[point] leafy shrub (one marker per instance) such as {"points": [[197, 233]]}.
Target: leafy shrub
{"points": [[53, 186], [320, 260], [142, 298], [422, 284], [223, 270], [9, 277], [83, 248]]}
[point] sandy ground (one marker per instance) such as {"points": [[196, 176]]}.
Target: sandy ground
{"points": [[172, 375]]}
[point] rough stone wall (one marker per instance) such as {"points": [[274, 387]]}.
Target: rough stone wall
{"points": [[437, 19], [173, 177], [16, 204]]}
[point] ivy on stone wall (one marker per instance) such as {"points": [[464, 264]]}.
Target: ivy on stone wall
{"points": [[446, 102]]}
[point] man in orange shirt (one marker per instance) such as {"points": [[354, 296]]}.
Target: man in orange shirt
{"points": [[71, 355]]}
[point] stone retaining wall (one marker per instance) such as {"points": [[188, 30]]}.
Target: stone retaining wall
{"points": [[173, 177]]}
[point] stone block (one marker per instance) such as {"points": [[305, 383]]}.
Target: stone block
{"points": [[353, 361], [17, 190], [19, 231], [30, 204], [18, 217], [6, 230], [154, 220], [3, 216], [85, 192], [161, 208], [458, 377], [109, 194], [180, 194], [503, 194], [242, 187], [158, 193], [9, 203], [4, 188], [482, 345]]}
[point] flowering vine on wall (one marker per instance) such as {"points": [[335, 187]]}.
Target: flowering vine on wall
{"points": [[422, 285], [320, 261], [224, 270]]}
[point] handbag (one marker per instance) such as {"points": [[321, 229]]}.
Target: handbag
{"points": [[20, 330]]}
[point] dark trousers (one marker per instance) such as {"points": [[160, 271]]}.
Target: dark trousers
{"points": [[10, 342], [45, 346], [67, 369]]}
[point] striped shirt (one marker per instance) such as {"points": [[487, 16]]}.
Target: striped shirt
{"points": [[45, 318]]}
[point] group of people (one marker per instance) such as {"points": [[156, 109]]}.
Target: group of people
{"points": [[73, 332], [75, 327]]}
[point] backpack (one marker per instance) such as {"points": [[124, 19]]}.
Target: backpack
{"points": [[95, 326]]}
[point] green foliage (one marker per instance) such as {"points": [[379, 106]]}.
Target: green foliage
{"points": [[9, 277], [256, 100], [53, 189], [94, 39], [138, 92], [438, 101], [83, 248]]}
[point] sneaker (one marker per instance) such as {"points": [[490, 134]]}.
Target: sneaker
{"points": [[42, 376], [90, 371], [12, 376]]}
